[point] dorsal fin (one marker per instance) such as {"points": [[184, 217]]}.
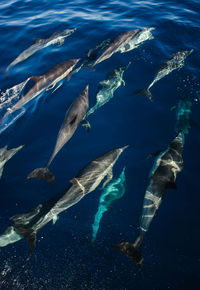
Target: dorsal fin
{"points": [[29, 235]]}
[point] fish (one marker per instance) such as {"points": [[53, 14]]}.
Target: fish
{"points": [[73, 118], [114, 190], [6, 155], [175, 62], [162, 177], [92, 54], [107, 88], [115, 46], [143, 35], [46, 81], [87, 180], [56, 38]]}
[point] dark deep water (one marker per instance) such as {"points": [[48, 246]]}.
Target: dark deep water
{"points": [[64, 258]]}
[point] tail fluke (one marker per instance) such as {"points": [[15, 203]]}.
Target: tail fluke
{"points": [[42, 173], [29, 235], [145, 92], [91, 67], [132, 252]]}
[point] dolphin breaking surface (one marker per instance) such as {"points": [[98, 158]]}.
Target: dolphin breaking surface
{"points": [[113, 191], [88, 179]]}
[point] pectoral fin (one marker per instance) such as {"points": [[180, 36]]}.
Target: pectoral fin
{"points": [[86, 124], [61, 42], [54, 220], [69, 76], [57, 88], [108, 179]]}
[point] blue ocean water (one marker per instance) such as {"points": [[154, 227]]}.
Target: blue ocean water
{"points": [[64, 257]]}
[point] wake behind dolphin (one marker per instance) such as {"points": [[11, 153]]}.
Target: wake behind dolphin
{"points": [[162, 177], [175, 62], [72, 119], [88, 179], [56, 38], [114, 190]]}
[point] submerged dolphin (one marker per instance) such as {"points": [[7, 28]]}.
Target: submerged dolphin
{"points": [[162, 177], [5, 155], [175, 62], [143, 35], [46, 81], [27, 225], [73, 117], [58, 37], [107, 88], [92, 54], [184, 111], [114, 190], [115, 46]]}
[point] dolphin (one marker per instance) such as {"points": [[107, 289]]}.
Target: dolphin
{"points": [[6, 155], [107, 88], [92, 54], [58, 37], [143, 35], [115, 46], [162, 178], [46, 81], [184, 111], [88, 179], [73, 117], [175, 62], [114, 190]]}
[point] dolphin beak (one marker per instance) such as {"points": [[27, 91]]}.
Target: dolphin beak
{"points": [[123, 148]]}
